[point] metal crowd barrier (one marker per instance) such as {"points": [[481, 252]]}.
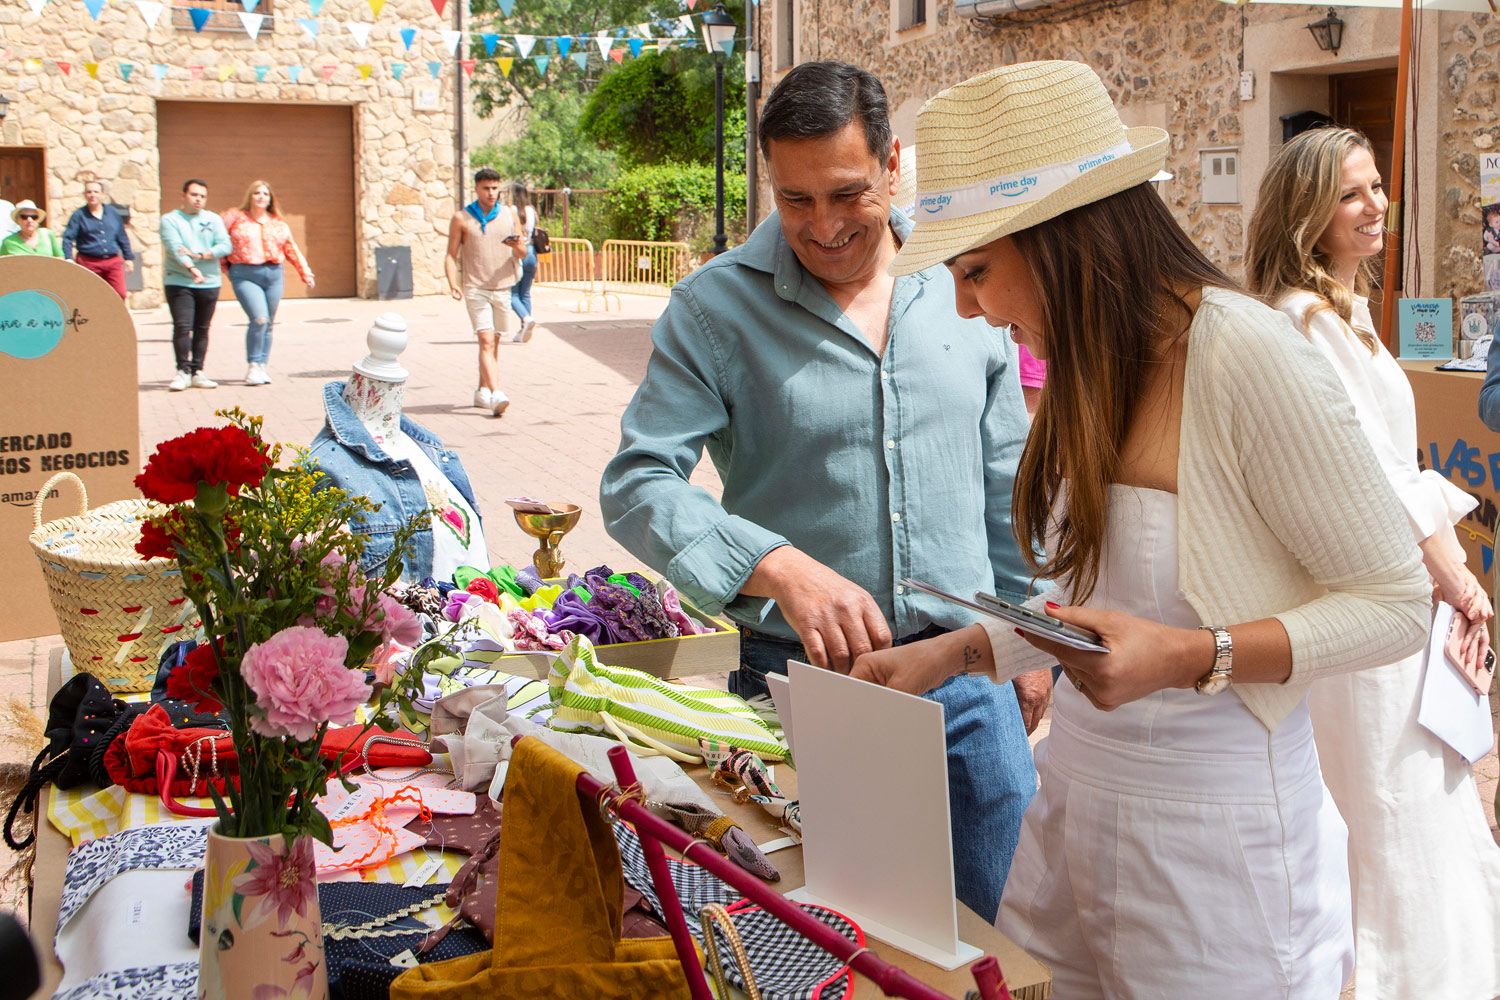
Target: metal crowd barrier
{"points": [[569, 265], [641, 267]]}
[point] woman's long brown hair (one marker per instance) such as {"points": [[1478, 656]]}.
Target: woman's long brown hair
{"points": [[1111, 277]]}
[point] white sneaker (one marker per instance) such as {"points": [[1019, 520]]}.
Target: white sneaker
{"points": [[499, 401], [202, 381], [182, 381], [257, 375], [528, 325], [482, 399]]}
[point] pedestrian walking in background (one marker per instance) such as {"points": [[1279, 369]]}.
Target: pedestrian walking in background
{"points": [[193, 239], [95, 237], [483, 261], [30, 239], [262, 242], [520, 292]]}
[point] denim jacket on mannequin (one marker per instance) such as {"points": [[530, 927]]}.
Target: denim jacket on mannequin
{"points": [[352, 461]]}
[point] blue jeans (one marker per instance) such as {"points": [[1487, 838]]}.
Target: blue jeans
{"points": [[991, 774], [520, 292], [258, 287]]}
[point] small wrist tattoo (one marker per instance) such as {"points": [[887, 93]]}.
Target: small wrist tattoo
{"points": [[971, 657]]}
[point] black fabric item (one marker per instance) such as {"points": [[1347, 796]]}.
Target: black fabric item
{"points": [[78, 719], [192, 311], [541, 241]]}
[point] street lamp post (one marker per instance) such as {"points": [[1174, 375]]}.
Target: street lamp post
{"points": [[718, 28]]}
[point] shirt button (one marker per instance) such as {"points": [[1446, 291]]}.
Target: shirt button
{"points": [[891, 443], [900, 589], [884, 375], [895, 516]]}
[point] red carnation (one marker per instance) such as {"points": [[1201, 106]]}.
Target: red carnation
{"points": [[217, 456], [156, 542], [193, 680]]}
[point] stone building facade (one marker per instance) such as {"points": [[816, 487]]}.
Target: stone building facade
{"points": [[1180, 65], [359, 159]]}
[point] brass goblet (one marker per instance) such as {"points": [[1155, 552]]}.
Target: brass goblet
{"points": [[548, 530]]}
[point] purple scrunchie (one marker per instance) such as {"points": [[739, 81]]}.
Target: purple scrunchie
{"points": [[570, 613]]}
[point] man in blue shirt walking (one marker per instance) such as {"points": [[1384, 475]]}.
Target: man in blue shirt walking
{"points": [[95, 237], [863, 432]]}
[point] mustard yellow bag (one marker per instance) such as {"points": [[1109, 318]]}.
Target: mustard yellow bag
{"points": [[559, 911]]}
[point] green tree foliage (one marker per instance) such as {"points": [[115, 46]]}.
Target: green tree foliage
{"points": [[552, 153], [668, 201]]}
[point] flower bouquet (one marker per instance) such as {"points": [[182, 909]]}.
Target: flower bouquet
{"points": [[291, 628]]}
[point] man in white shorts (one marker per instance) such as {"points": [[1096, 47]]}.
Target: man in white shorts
{"points": [[485, 249]]}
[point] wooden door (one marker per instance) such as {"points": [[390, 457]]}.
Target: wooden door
{"points": [[1367, 102], [306, 154], [23, 175]]}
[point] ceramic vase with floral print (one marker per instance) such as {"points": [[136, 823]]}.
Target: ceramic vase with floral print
{"points": [[262, 935]]}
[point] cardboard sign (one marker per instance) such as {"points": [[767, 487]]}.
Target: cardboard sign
{"points": [[68, 365]]}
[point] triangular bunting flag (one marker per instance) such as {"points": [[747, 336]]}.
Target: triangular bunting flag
{"points": [[662, 45], [250, 5], [225, 72], [364, 71], [506, 6], [581, 58], [434, 68], [687, 23], [491, 42], [524, 44], [541, 63], [260, 73], [451, 39], [159, 70], [636, 45], [604, 40], [293, 72], [728, 46], [438, 6], [360, 30], [37, 5], [95, 7], [125, 70], [316, 6], [328, 70], [150, 11], [93, 69], [196, 72], [375, 6], [397, 69], [690, 3], [251, 23], [505, 63], [32, 65], [468, 65], [618, 55], [408, 35], [200, 16], [643, 29], [66, 67], [309, 25], [563, 45]]}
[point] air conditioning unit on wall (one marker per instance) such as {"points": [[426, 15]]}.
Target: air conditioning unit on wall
{"points": [[996, 8]]}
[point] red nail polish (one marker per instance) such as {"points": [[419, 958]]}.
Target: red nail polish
{"points": [[1052, 607], [1020, 633]]}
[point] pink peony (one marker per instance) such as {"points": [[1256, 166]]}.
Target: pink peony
{"points": [[397, 623], [279, 885], [300, 682]]}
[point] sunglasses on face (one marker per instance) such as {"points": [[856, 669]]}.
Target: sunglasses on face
{"points": [[24, 216]]}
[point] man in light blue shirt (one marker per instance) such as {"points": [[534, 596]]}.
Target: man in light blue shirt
{"points": [[193, 239], [863, 432]]}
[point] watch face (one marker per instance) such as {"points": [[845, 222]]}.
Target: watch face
{"points": [[1213, 683]]}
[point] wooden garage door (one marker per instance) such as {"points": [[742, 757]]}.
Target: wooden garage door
{"points": [[305, 153]]}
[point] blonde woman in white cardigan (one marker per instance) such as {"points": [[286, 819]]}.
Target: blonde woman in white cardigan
{"points": [[1425, 869], [1189, 461]]}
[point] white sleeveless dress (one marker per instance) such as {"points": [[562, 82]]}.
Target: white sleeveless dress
{"points": [[1177, 848]]}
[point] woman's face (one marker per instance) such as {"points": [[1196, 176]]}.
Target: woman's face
{"points": [[1355, 231], [993, 282], [260, 197]]}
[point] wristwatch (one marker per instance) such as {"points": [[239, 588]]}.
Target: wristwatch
{"points": [[1222, 674]]}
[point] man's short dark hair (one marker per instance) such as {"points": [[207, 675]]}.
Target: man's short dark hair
{"points": [[817, 99], [191, 181], [486, 174]]}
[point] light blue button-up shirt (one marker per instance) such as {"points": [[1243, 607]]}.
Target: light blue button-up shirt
{"points": [[880, 467]]}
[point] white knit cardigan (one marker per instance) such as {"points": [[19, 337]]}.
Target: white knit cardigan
{"points": [[1283, 510]]}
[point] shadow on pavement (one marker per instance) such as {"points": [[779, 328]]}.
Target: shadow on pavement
{"points": [[622, 345]]}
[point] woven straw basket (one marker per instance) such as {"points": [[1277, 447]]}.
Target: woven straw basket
{"points": [[116, 610]]}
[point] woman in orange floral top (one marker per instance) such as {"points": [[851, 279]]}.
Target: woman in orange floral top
{"points": [[262, 243]]}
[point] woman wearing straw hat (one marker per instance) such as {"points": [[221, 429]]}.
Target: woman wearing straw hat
{"points": [[31, 239], [1189, 461], [1426, 871]]}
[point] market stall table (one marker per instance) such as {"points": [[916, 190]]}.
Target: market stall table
{"points": [[1026, 978]]}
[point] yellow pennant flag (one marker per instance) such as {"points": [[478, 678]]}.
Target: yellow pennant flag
{"points": [[33, 64], [93, 69], [225, 72], [364, 71], [375, 6], [505, 63]]}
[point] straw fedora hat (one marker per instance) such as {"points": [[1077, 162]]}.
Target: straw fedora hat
{"points": [[1014, 147], [27, 204]]}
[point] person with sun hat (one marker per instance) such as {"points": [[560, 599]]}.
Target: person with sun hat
{"points": [[1190, 471]]}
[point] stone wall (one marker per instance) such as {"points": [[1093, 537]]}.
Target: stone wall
{"points": [[1468, 81], [106, 127]]}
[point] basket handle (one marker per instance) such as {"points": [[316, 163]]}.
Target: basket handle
{"points": [[41, 496]]}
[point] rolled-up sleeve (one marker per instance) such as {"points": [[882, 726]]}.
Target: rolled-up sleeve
{"points": [[648, 504]]}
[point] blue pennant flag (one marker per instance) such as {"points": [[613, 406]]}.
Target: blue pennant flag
{"points": [[294, 72], [434, 68], [309, 25], [250, 5], [636, 44], [728, 46], [582, 59], [200, 17], [408, 35], [316, 5], [159, 70], [96, 7], [563, 45], [397, 69], [541, 63], [619, 32], [260, 73], [506, 6], [125, 69], [491, 41]]}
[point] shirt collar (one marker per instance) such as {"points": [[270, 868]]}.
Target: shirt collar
{"points": [[767, 250]]}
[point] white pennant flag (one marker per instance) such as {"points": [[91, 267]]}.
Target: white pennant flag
{"points": [[451, 39], [606, 41], [37, 5], [643, 29], [360, 30], [252, 23], [150, 11], [662, 45], [524, 44], [686, 21]]}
